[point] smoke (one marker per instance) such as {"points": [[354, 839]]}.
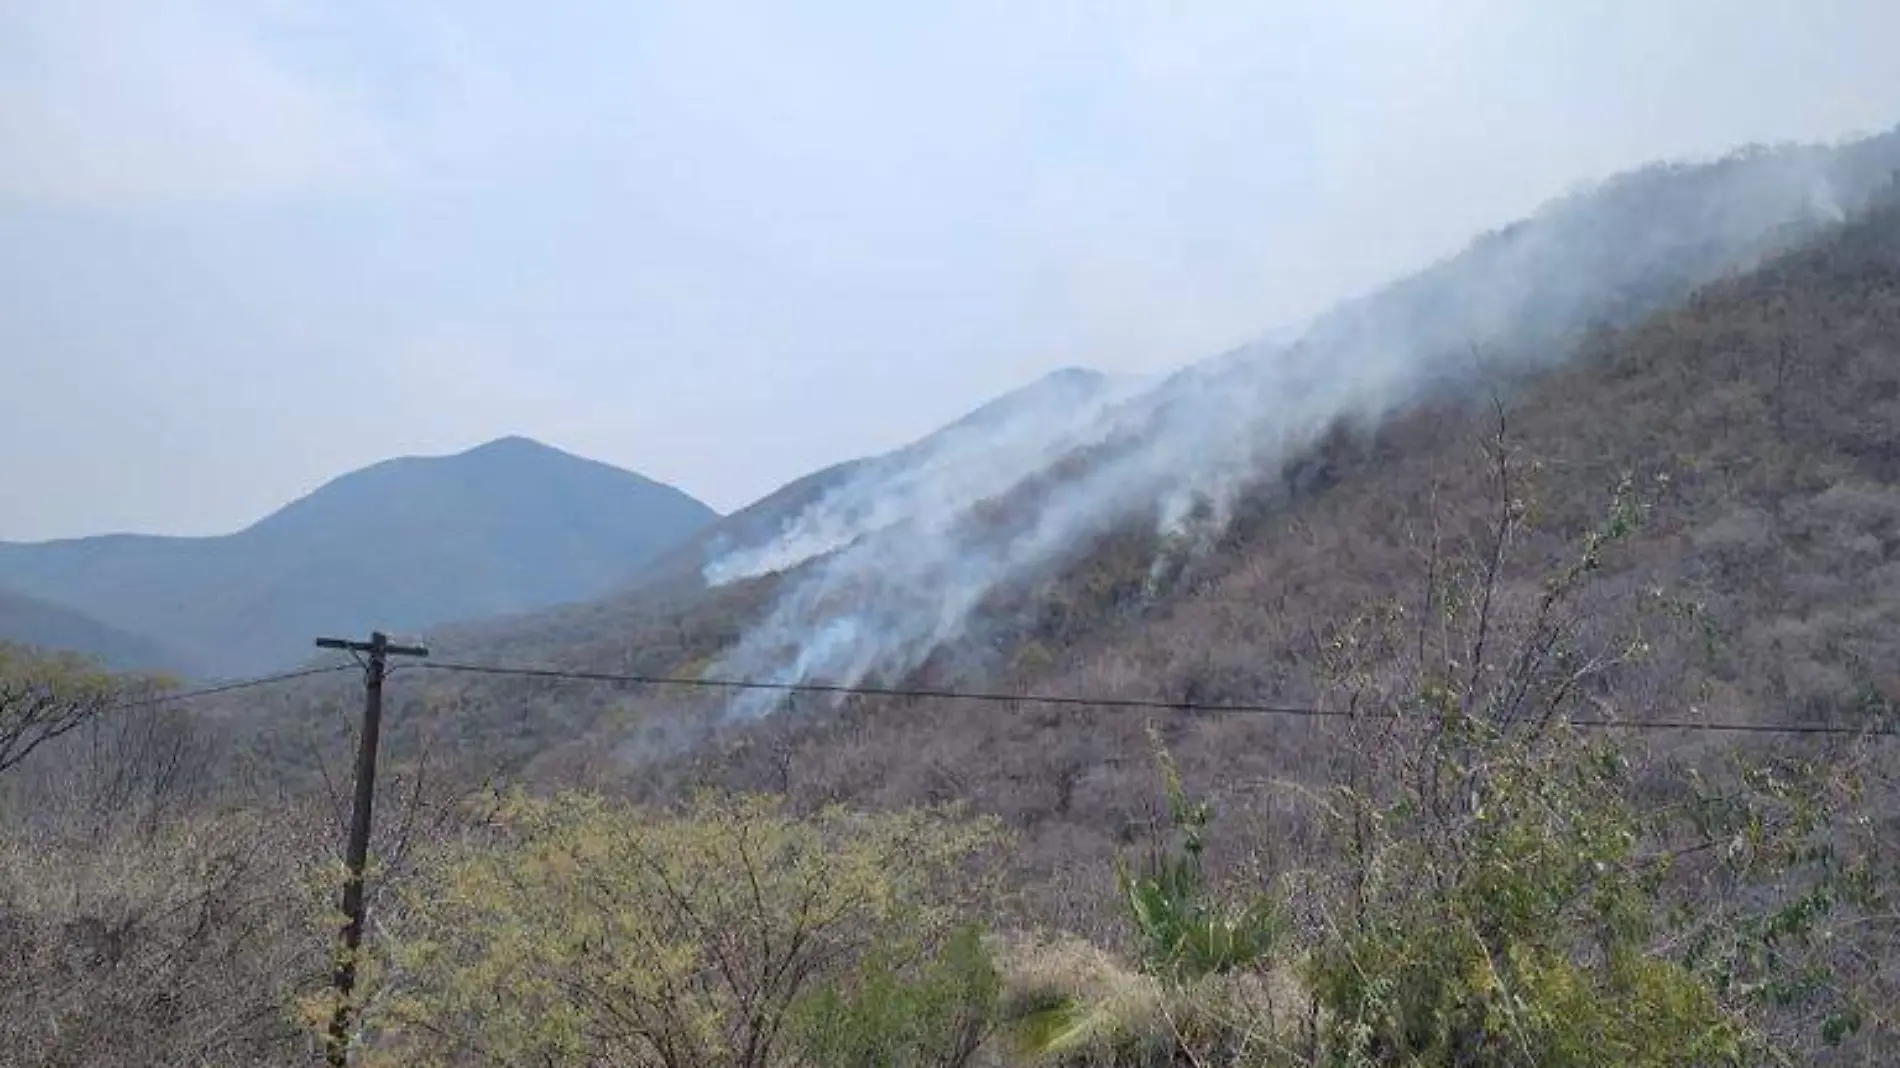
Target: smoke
{"points": [[976, 457], [892, 566]]}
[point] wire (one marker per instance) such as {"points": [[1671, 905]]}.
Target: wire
{"points": [[227, 687], [1120, 703], [1732, 727], [879, 691]]}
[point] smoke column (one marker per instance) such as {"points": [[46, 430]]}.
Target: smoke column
{"points": [[892, 565]]}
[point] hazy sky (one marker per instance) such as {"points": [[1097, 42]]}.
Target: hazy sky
{"points": [[247, 245]]}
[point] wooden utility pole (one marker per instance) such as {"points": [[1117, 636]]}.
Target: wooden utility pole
{"points": [[374, 656]]}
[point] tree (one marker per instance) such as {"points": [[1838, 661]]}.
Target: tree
{"points": [[1514, 893], [1521, 935], [895, 1013], [43, 697], [583, 931]]}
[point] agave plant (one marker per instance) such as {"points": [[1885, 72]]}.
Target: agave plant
{"points": [[1185, 930]]}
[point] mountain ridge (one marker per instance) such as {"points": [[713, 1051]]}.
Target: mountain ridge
{"points": [[885, 594], [506, 525], [41, 624], [678, 575]]}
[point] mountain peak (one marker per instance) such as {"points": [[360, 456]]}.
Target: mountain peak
{"points": [[512, 444], [1058, 390], [1077, 376]]}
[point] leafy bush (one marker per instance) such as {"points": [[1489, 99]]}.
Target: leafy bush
{"points": [[1512, 895], [587, 932], [1522, 935], [904, 1014]]}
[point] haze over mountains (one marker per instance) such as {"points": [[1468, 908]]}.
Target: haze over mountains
{"points": [[1735, 360], [1177, 458], [31, 621], [875, 569], [1225, 535], [505, 527]]}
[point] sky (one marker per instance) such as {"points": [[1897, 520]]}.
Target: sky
{"points": [[248, 245]]}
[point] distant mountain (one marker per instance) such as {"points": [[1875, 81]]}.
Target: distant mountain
{"points": [[992, 441], [507, 527], [31, 621]]}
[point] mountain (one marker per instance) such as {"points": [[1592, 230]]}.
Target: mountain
{"points": [[806, 515], [1023, 535], [897, 569], [1378, 589], [504, 527], [30, 621], [1752, 576]]}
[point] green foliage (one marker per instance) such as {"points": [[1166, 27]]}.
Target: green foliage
{"points": [[1780, 834], [1184, 930], [1511, 897], [1202, 994], [1519, 932], [44, 696], [590, 932], [932, 1014]]}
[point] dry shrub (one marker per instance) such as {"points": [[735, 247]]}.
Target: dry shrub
{"points": [[1074, 1004], [160, 947]]}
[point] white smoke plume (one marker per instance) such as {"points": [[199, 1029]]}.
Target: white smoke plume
{"points": [[892, 565], [974, 458]]}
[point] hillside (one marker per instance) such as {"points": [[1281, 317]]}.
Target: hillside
{"points": [[898, 555], [30, 621], [1339, 537], [1174, 458], [1757, 421], [955, 560], [505, 527]]}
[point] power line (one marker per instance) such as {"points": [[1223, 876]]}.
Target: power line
{"points": [[227, 687], [1731, 727], [985, 697], [883, 691], [1117, 703]]}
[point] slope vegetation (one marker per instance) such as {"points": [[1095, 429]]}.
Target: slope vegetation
{"points": [[1757, 426], [1755, 423]]}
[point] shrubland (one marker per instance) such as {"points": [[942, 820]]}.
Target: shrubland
{"points": [[1489, 873]]}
